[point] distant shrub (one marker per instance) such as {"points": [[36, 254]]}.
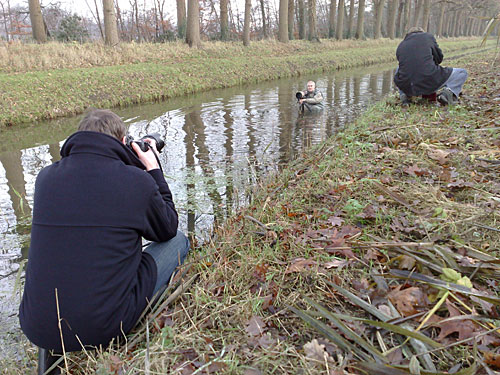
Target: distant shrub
{"points": [[71, 29]]}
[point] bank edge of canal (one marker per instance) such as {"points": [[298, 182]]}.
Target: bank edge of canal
{"points": [[430, 158], [40, 95], [409, 175], [417, 174]]}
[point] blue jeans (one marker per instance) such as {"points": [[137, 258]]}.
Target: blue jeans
{"points": [[168, 256], [455, 82]]}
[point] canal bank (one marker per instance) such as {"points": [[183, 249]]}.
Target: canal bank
{"points": [[65, 88], [234, 317], [398, 192]]}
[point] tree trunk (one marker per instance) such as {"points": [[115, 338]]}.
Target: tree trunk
{"points": [[331, 20], [340, 21], [5, 24], [427, 14], [283, 22], [181, 18], [456, 23], [193, 24], [350, 21], [263, 10], [110, 29], [224, 22], [37, 26], [291, 11], [391, 19], [312, 20], [416, 14], [246, 23], [361, 20], [399, 18], [406, 18], [441, 19], [302, 19], [379, 11]]}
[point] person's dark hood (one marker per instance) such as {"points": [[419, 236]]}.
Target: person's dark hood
{"points": [[89, 142]]}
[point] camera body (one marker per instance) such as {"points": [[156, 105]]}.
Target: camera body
{"points": [[143, 145]]}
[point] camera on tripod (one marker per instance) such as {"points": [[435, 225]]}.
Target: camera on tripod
{"points": [[143, 145]]}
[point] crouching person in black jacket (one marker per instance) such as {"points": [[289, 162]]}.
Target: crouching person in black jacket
{"points": [[420, 72], [86, 267]]}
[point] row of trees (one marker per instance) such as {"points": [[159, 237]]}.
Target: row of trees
{"points": [[223, 20]]}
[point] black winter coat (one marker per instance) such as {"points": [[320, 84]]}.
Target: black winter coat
{"points": [[91, 210], [419, 71]]}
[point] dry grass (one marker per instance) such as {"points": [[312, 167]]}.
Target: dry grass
{"points": [[235, 320], [22, 57]]}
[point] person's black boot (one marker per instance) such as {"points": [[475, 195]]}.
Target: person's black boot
{"points": [[405, 101], [446, 97]]}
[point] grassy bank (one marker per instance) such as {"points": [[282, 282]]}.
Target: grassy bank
{"points": [[368, 225], [40, 82]]}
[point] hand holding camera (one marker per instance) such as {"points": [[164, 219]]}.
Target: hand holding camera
{"points": [[142, 147]]}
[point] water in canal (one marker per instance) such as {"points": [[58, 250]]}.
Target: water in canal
{"points": [[216, 144]]}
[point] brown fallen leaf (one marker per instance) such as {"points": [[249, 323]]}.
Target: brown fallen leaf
{"points": [[464, 328], [335, 221], [316, 351], [335, 263], [415, 170], [492, 359], [299, 265], [439, 155], [255, 326], [407, 300], [406, 263]]}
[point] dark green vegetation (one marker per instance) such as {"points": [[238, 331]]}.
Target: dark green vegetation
{"points": [[82, 79], [397, 216]]}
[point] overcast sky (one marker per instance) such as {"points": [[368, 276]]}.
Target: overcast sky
{"points": [[80, 7]]}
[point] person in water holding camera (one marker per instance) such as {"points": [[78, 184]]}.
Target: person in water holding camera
{"points": [[88, 279], [311, 99]]}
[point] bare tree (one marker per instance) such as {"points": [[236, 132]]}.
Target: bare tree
{"points": [[264, 27], [416, 14], [406, 17], [379, 10], [350, 21], [37, 24], [193, 24], [291, 10], [6, 18], [391, 18], [333, 14], [339, 35], [224, 22], [283, 22], [246, 23], [181, 18], [110, 28], [302, 19], [426, 15], [361, 20], [312, 35]]}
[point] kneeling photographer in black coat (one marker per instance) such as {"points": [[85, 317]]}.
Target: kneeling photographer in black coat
{"points": [[86, 267]]}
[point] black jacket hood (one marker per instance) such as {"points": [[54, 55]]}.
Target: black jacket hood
{"points": [[90, 142]]}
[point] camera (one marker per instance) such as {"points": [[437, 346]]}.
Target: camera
{"points": [[299, 95], [143, 145]]}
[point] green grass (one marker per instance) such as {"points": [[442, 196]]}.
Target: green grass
{"points": [[45, 93]]}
